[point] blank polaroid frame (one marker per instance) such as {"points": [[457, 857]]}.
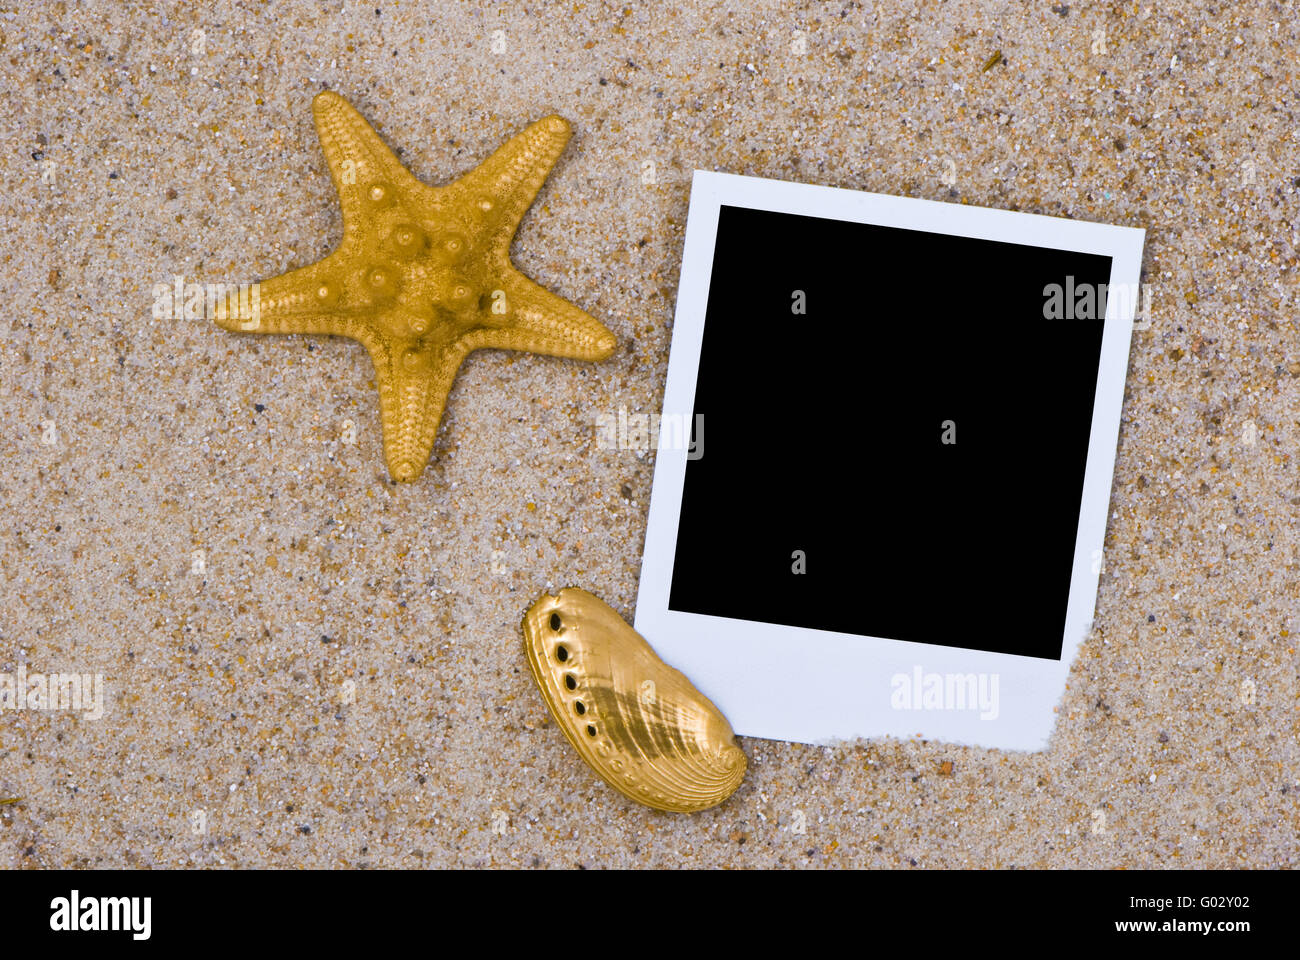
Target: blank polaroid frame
{"points": [[885, 461]]}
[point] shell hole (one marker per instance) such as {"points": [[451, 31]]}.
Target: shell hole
{"points": [[556, 623], [569, 682], [561, 654], [591, 731], [580, 707]]}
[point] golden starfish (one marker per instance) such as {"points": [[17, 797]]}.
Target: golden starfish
{"points": [[423, 275]]}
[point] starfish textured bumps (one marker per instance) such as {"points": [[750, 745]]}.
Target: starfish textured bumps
{"points": [[423, 274]]}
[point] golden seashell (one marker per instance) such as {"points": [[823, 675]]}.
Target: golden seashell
{"points": [[636, 721]]}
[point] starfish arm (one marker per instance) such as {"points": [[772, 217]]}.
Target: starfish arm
{"points": [[541, 322], [300, 301], [359, 161], [413, 389], [509, 180]]}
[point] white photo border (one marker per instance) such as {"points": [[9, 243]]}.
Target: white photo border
{"points": [[817, 686]]}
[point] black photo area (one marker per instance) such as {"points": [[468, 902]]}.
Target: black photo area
{"points": [[823, 433]]}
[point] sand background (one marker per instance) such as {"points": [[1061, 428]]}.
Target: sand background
{"points": [[137, 150]]}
